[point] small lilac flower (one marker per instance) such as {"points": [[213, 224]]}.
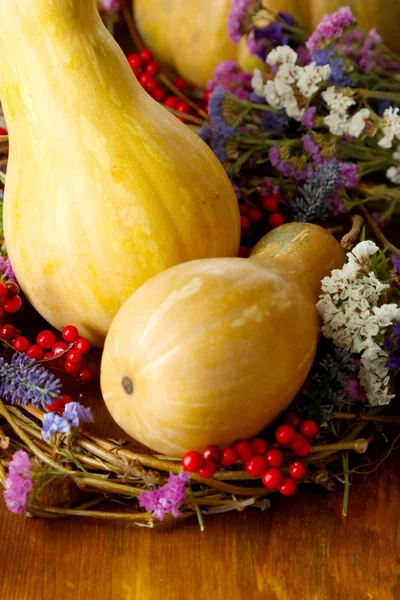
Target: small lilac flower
{"points": [[354, 390], [112, 5], [307, 120], [166, 499], [338, 72], [394, 362], [274, 121], [396, 332], [54, 423], [205, 132], [303, 56], [6, 269], [350, 174], [285, 167], [396, 263], [74, 413], [330, 27], [387, 345], [18, 484], [231, 78], [222, 132], [269, 37], [236, 14]]}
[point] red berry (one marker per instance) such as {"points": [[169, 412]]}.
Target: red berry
{"points": [[256, 466], [298, 471], [70, 334], [12, 305], [304, 450], [171, 101], [211, 453], [288, 487], [21, 344], [7, 332], [3, 290], [136, 71], [65, 399], [292, 418], [243, 252], [274, 458], [85, 376], [273, 479], [152, 68], [145, 55], [309, 429], [1, 312], [3, 131], [259, 446], [255, 216], [71, 369], [55, 406], [244, 449], [276, 219], [59, 348], [244, 222], [135, 60], [12, 289], [159, 95], [192, 461], [285, 434], [183, 107], [143, 79], [82, 345], [244, 208], [208, 469], [297, 442], [35, 352], [46, 357], [151, 85], [46, 339], [74, 357], [207, 95], [228, 457], [270, 204], [181, 84]]}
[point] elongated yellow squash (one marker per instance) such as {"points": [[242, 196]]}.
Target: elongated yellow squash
{"points": [[214, 350], [104, 187]]}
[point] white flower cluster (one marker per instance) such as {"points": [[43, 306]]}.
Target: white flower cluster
{"points": [[290, 81], [390, 127], [338, 120], [352, 318], [393, 173]]}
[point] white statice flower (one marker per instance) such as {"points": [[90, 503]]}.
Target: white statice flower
{"points": [[337, 122], [282, 55], [396, 154], [309, 78], [375, 377], [272, 96], [393, 174], [357, 122], [363, 252], [292, 108], [257, 82], [390, 127], [285, 79], [337, 100]]}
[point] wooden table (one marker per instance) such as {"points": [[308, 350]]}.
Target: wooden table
{"points": [[300, 549]]}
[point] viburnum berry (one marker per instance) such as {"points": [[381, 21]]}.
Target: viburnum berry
{"points": [[152, 68], [146, 55], [259, 446], [208, 469], [3, 131], [35, 351], [47, 356], [256, 466], [292, 418], [56, 405], [3, 290], [70, 333], [244, 208], [207, 95], [74, 357], [183, 107], [288, 487], [270, 203], [244, 450], [59, 348], [46, 339], [276, 219], [159, 95], [285, 434], [143, 79], [228, 457], [135, 60], [21, 344], [273, 479], [254, 215], [298, 471], [297, 442], [85, 376], [12, 305], [192, 461], [82, 345], [304, 450], [274, 458], [71, 369], [12, 289], [151, 85], [181, 84], [171, 101], [211, 453], [7, 332], [244, 222], [309, 429], [66, 399]]}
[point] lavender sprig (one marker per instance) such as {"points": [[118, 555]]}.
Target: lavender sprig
{"points": [[24, 381]]}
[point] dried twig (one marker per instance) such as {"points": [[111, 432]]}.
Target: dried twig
{"points": [[350, 239], [378, 232]]}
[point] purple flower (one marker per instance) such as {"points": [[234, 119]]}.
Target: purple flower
{"points": [[6, 269], [269, 37], [112, 5], [396, 332], [394, 362], [350, 174], [285, 167], [387, 345], [274, 121], [286, 17], [24, 380], [396, 263], [230, 77], [338, 72], [54, 423], [205, 132], [74, 413], [303, 56], [307, 120], [18, 484], [166, 499], [354, 390], [312, 148], [268, 187], [236, 15], [222, 132], [330, 27]]}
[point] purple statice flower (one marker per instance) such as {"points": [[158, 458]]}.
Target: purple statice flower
{"points": [[166, 499], [269, 37], [54, 423], [354, 390], [394, 362], [274, 121], [205, 132], [387, 345], [222, 132], [112, 5], [6, 269], [257, 99], [231, 78], [396, 263], [303, 56], [312, 148], [350, 174], [18, 484], [307, 120], [268, 187], [287, 18], [24, 381], [396, 333], [236, 15], [338, 71], [285, 167], [75, 413], [331, 26]]}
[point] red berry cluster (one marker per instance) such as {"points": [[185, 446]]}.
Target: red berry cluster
{"points": [[10, 302], [255, 221], [59, 404], [66, 355], [259, 460]]}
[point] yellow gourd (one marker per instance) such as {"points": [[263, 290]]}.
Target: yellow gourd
{"points": [[105, 188], [214, 350]]}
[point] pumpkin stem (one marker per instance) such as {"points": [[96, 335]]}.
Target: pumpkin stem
{"points": [[127, 384]]}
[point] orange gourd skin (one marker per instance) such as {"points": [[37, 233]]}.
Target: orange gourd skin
{"points": [[215, 350]]}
